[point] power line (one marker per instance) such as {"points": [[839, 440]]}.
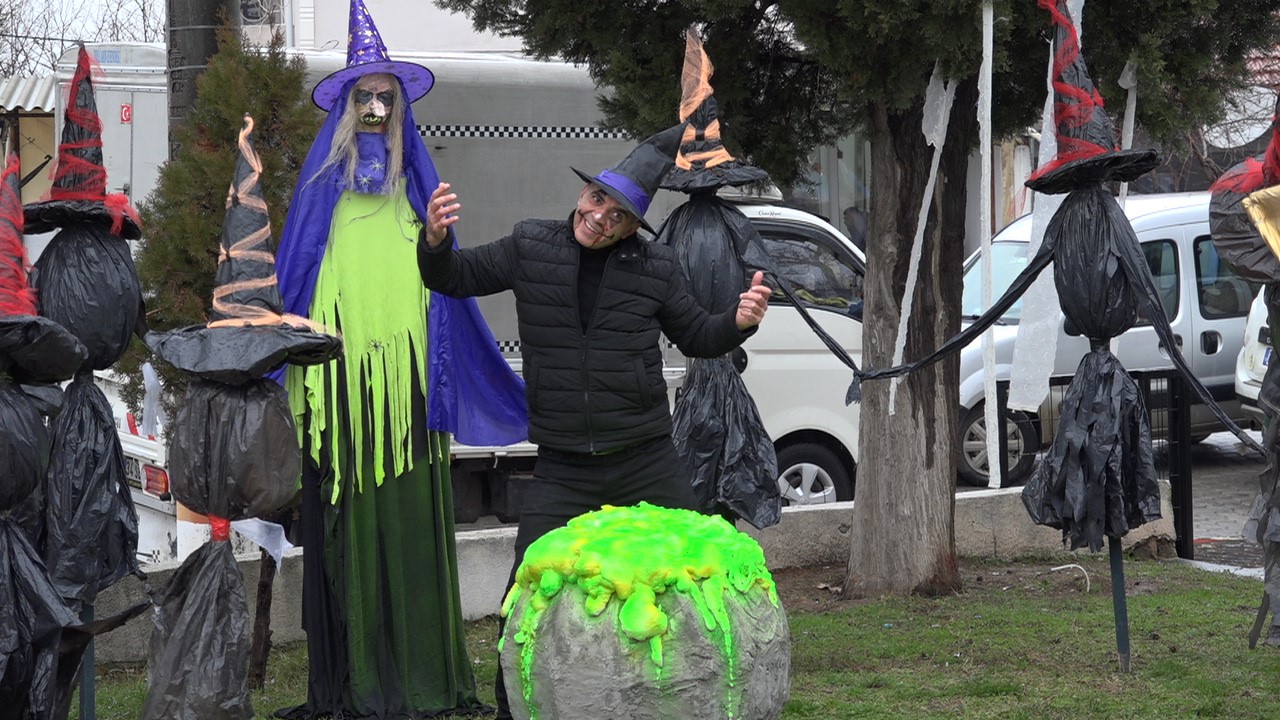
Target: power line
{"points": [[40, 37]]}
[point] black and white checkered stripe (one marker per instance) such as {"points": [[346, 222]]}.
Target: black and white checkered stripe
{"points": [[520, 132], [513, 346]]}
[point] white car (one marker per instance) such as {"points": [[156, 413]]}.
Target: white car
{"points": [[1255, 357]]}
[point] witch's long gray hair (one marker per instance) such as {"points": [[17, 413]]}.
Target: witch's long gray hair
{"points": [[343, 152]]}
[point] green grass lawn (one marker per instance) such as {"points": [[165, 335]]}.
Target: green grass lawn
{"points": [[1020, 641]]}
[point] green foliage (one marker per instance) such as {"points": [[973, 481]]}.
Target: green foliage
{"points": [[776, 100], [182, 217], [794, 74]]}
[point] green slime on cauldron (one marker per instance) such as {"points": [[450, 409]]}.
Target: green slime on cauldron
{"points": [[635, 554]]}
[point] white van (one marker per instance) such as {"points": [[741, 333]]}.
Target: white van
{"points": [[797, 383], [799, 386], [1205, 302]]}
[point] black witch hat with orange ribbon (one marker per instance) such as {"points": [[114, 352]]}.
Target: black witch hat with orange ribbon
{"points": [[79, 193], [703, 162], [1087, 152], [248, 333], [32, 348]]}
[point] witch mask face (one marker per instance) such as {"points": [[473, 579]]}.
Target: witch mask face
{"points": [[374, 97]]}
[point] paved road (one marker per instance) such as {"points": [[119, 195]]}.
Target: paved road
{"points": [[1224, 481]]}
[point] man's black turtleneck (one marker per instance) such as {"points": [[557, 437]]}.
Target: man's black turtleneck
{"points": [[591, 262]]}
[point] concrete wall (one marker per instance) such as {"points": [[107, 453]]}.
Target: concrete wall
{"points": [[988, 523]]}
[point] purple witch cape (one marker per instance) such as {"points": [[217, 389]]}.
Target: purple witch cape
{"points": [[471, 391]]}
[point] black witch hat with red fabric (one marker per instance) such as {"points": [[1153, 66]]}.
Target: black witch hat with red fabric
{"points": [[1087, 150], [32, 348], [1235, 236], [79, 192], [248, 334]]}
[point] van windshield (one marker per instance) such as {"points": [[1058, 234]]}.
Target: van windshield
{"points": [[1008, 258]]}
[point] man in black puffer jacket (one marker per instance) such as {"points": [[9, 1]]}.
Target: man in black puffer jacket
{"points": [[592, 300]]}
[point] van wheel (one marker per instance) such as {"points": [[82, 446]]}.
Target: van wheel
{"points": [[972, 466], [811, 474]]}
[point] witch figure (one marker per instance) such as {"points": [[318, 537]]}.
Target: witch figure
{"points": [[1244, 220], [381, 599], [41, 637], [86, 282], [716, 426], [1098, 478], [233, 455]]}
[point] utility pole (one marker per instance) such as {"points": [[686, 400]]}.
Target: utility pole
{"points": [[192, 35]]}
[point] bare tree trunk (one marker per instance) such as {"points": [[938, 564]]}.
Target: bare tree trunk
{"points": [[904, 514], [260, 649]]}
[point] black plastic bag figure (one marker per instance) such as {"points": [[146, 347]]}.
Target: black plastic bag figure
{"points": [[233, 454], [41, 639], [86, 282], [1244, 220], [716, 425], [1098, 478]]}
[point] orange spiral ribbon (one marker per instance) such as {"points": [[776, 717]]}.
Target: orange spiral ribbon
{"points": [[253, 247]]}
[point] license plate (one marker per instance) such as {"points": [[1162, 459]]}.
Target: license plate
{"points": [[1266, 356]]}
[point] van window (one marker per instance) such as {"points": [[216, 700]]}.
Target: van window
{"points": [[1008, 258], [1221, 292], [1162, 261], [823, 275]]}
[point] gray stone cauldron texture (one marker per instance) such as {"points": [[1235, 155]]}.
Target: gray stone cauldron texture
{"points": [[584, 667]]}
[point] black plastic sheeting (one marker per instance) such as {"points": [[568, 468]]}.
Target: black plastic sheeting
{"points": [[39, 350], [41, 639], [238, 355], [200, 644], [87, 284], [32, 621], [717, 427], [722, 432], [24, 446], [233, 450], [91, 525], [1235, 237], [1099, 477]]}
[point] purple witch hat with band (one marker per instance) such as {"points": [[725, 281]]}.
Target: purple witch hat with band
{"points": [[633, 181], [367, 54]]}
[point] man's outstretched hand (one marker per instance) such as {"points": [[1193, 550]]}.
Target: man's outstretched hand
{"points": [[442, 211], [753, 302]]}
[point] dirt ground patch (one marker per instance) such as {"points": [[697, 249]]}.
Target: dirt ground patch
{"points": [[820, 588]]}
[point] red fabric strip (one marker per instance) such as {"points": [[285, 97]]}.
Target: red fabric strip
{"points": [[221, 528], [16, 295]]}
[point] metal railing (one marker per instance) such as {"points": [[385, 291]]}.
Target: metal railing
{"points": [[1168, 403]]}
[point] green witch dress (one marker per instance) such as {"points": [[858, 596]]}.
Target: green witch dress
{"points": [[389, 540]]}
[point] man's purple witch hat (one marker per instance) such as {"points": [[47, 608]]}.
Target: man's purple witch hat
{"points": [[633, 181], [1087, 152], [367, 54]]}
